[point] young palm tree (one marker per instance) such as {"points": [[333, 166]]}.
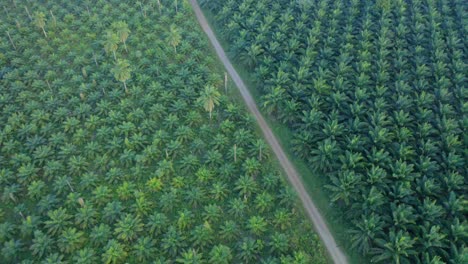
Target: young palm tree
{"points": [[122, 72], [209, 98]]}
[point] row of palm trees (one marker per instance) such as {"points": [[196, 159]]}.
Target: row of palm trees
{"points": [[373, 92], [167, 170]]}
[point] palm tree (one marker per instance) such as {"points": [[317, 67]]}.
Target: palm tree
{"points": [[174, 37], [366, 230], [39, 21], [220, 254], [273, 100], [41, 244], [397, 248], [157, 223], [70, 240], [11, 249], [54, 258], [209, 97], [114, 252], [246, 185], [279, 243], [111, 43], [202, 236], [100, 234], [85, 256], [144, 249], [282, 219], [172, 241], [345, 186], [249, 250], [257, 225], [122, 32], [128, 227], [251, 166], [112, 211], [263, 202], [122, 72], [229, 230], [58, 221], [28, 225], [190, 256]]}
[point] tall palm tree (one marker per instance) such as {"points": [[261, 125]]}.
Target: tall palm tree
{"points": [[122, 72], [174, 37], [210, 97], [39, 21], [111, 43], [123, 32]]}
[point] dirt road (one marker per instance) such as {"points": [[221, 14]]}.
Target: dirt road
{"points": [[293, 177]]}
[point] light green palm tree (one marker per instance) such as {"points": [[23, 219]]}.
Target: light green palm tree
{"points": [[123, 32], [111, 43], [39, 21], [122, 72], [209, 98], [174, 37]]}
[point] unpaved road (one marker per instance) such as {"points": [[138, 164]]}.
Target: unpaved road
{"points": [[293, 177]]}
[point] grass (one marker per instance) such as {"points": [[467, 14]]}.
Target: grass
{"points": [[314, 183]]}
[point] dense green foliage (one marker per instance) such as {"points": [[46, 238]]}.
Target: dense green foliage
{"points": [[375, 94], [117, 147]]}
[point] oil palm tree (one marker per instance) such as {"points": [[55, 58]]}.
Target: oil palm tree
{"points": [[128, 227], [114, 252], [220, 254], [397, 248], [122, 72], [209, 97], [42, 244], [122, 30], [71, 240], [174, 37], [144, 249], [40, 21], [111, 43]]}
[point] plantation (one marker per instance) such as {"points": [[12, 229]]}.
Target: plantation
{"points": [[119, 144], [375, 95]]}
